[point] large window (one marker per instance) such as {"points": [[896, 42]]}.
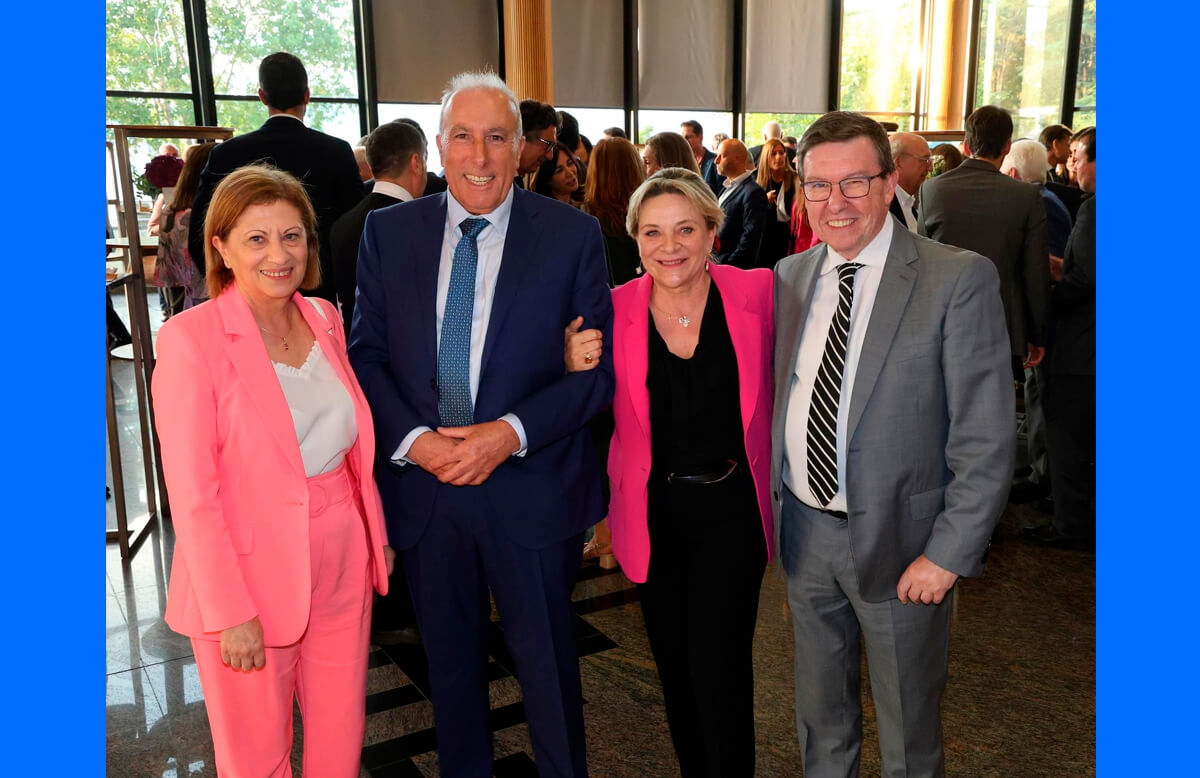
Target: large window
{"points": [[1021, 60], [881, 56], [319, 32], [651, 122], [1085, 78], [147, 67], [594, 121]]}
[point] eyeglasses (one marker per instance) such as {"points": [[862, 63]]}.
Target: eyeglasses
{"points": [[926, 160], [549, 144], [852, 187]]}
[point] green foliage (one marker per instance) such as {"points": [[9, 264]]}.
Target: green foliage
{"points": [[645, 132], [1022, 56], [793, 124]]}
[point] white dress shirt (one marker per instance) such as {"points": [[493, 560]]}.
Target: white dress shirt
{"points": [[732, 184], [392, 190], [490, 245], [812, 346], [321, 410], [907, 202]]}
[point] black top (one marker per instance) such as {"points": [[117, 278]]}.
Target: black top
{"points": [[621, 251], [695, 415]]}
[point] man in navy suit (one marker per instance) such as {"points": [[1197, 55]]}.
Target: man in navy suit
{"points": [[693, 133], [324, 164], [486, 276], [745, 205]]}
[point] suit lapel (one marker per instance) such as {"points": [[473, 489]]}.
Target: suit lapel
{"points": [[744, 325], [793, 296], [246, 351], [519, 244], [426, 245], [636, 342], [895, 287]]}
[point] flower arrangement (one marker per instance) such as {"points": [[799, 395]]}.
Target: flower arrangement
{"points": [[163, 171]]}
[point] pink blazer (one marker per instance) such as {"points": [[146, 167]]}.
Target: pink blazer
{"points": [[748, 300], [236, 482]]}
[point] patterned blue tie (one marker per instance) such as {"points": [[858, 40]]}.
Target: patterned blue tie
{"points": [[455, 407]]}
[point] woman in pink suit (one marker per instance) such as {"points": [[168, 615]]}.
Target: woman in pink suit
{"points": [[690, 463], [267, 447]]}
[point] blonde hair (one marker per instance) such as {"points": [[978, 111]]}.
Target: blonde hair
{"points": [[678, 181], [764, 167], [259, 184]]}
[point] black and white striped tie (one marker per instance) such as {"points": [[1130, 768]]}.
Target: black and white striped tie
{"points": [[827, 390]]}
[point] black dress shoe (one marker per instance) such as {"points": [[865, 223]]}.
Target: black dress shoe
{"points": [[409, 636], [1027, 491], [1048, 535]]}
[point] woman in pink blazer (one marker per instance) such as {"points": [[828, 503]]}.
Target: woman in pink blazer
{"points": [[690, 463], [267, 448]]}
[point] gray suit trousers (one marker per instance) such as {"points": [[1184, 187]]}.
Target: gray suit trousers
{"points": [[907, 655]]}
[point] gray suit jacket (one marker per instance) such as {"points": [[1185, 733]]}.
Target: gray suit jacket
{"points": [[978, 208], [931, 433]]}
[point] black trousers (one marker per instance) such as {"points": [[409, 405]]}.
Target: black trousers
{"points": [[700, 604], [1070, 402]]}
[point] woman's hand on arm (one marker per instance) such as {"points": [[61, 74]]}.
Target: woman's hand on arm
{"points": [[242, 646], [581, 349]]}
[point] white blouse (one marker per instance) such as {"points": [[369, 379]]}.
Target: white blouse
{"points": [[321, 409]]}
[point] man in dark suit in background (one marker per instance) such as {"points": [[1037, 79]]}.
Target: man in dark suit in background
{"points": [[693, 133], [540, 124], [745, 205], [913, 161], [978, 208], [322, 162], [396, 152], [1071, 391], [486, 465]]}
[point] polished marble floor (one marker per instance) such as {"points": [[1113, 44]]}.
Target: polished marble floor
{"points": [[1020, 701]]}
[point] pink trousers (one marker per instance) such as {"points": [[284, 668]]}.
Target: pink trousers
{"points": [[326, 670]]}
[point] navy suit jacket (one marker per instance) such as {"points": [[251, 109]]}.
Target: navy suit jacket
{"points": [[324, 164], [552, 269], [708, 171], [741, 235]]}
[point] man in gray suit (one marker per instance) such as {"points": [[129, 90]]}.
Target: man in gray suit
{"points": [[894, 443], [978, 208]]}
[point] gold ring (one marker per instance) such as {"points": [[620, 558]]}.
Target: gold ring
{"points": [[587, 359]]}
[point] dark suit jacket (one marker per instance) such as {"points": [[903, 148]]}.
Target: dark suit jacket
{"points": [[552, 270], [976, 207], [708, 171], [1071, 196], [325, 164], [344, 239], [897, 210], [1058, 222], [930, 437], [746, 212], [1073, 301]]}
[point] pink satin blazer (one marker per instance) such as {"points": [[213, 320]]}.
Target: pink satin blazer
{"points": [[238, 493], [748, 300]]}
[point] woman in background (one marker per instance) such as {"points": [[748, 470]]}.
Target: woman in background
{"points": [[668, 149], [613, 175], [176, 270], [558, 177], [778, 180], [268, 449]]}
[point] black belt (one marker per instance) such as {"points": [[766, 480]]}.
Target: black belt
{"points": [[714, 476]]}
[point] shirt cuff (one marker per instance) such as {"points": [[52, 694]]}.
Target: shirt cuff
{"points": [[400, 456], [519, 428]]}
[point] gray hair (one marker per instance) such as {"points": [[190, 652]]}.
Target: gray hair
{"points": [[1029, 158], [480, 79], [680, 181], [772, 129]]}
